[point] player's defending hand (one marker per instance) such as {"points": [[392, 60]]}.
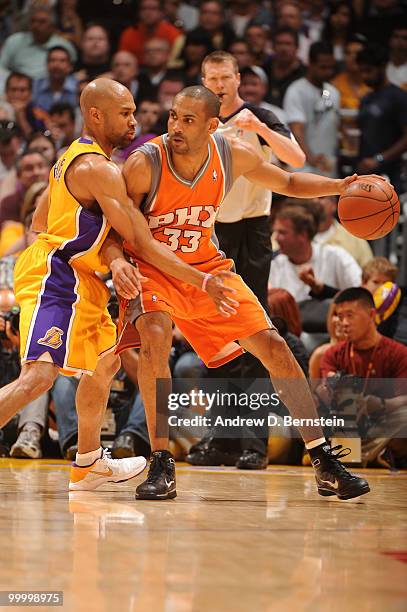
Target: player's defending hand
{"points": [[218, 291], [126, 278]]}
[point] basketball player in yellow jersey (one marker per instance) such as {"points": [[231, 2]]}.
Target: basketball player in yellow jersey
{"points": [[179, 181], [64, 323]]}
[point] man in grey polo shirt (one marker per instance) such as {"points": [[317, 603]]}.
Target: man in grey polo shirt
{"points": [[311, 105], [26, 52]]}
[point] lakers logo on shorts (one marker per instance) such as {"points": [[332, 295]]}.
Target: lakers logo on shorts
{"points": [[52, 338]]}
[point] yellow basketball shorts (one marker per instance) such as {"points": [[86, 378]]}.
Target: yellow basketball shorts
{"points": [[63, 311]]}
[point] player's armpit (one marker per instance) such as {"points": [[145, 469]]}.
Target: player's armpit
{"points": [[39, 221]]}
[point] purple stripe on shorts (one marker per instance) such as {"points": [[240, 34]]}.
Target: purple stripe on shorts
{"points": [[50, 332]]}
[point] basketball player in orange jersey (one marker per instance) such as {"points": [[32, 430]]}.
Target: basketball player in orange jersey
{"points": [[64, 323], [178, 181]]}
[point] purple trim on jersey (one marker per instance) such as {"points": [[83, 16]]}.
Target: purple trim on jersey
{"points": [[89, 228], [85, 141], [59, 295], [55, 311]]}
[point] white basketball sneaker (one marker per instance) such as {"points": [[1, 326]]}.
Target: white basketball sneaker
{"points": [[104, 470]]}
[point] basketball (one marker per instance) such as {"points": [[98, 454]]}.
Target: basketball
{"points": [[369, 208]]}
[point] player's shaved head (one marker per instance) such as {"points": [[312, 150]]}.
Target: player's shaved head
{"points": [[108, 113], [199, 92], [102, 93]]}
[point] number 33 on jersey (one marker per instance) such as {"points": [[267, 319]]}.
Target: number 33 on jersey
{"points": [[182, 213]]}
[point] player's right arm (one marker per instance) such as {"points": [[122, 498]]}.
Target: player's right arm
{"points": [[107, 185]]}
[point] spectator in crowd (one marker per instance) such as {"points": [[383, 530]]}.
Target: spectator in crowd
{"points": [[94, 56], [286, 316], [396, 70], [375, 274], [196, 47], [69, 24], [365, 353], [378, 18], [44, 144], [294, 230], [289, 15], [147, 115], [26, 52], [62, 125], [258, 38], [243, 13], [11, 144], [31, 167], [330, 231], [19, 95], [125, 71], [284, 67], [155, 66], [32, 419], [167, 90], [253, 89], [59, 85], [335, 332], [282, 304], [382, 119], [241, 51], [378, 271], [351, 89], [349, 82], [339, 28], [150, 25], [182, 15], [315, 15], [311, 105], [212, 23]]}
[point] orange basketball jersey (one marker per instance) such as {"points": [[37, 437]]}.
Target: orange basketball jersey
{"points": [[182, 213]]}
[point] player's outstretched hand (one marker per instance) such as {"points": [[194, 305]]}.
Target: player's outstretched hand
{"points": [[348, 180], [345, 182], [126, 279], [218, 291]]}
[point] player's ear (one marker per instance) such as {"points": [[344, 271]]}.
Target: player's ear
{"points": [[95, 114], [238, 79], [213, 124]]}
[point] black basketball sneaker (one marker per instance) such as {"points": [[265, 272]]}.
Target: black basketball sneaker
{"points": [[160, 482], [332, 477]]}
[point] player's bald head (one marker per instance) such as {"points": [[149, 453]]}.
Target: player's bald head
{"points": [[103, 94], [210, 100]]}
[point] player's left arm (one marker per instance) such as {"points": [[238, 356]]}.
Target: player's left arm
{"points": [[285, 148], [39, 221], [248, 163]]}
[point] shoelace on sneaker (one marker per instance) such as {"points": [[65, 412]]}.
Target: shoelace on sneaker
{"points": [[335, 465], [158, 465], [106, 456]]}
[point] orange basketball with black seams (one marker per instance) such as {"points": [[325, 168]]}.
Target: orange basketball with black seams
{"points": [[369, 208]]}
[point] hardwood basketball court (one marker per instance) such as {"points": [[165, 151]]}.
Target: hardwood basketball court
{"points": [[231, 541]]}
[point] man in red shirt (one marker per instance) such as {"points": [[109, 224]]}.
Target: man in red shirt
{"points": [[381, 364], [150, 25]]}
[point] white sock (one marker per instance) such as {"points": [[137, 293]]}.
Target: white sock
{"points": [[86, 459], [315, 443]]}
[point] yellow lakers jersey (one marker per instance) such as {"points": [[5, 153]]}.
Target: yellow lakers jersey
{"points": [[75, 232]]}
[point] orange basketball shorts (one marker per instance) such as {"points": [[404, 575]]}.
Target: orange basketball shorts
{"points": [[212, 336]]}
